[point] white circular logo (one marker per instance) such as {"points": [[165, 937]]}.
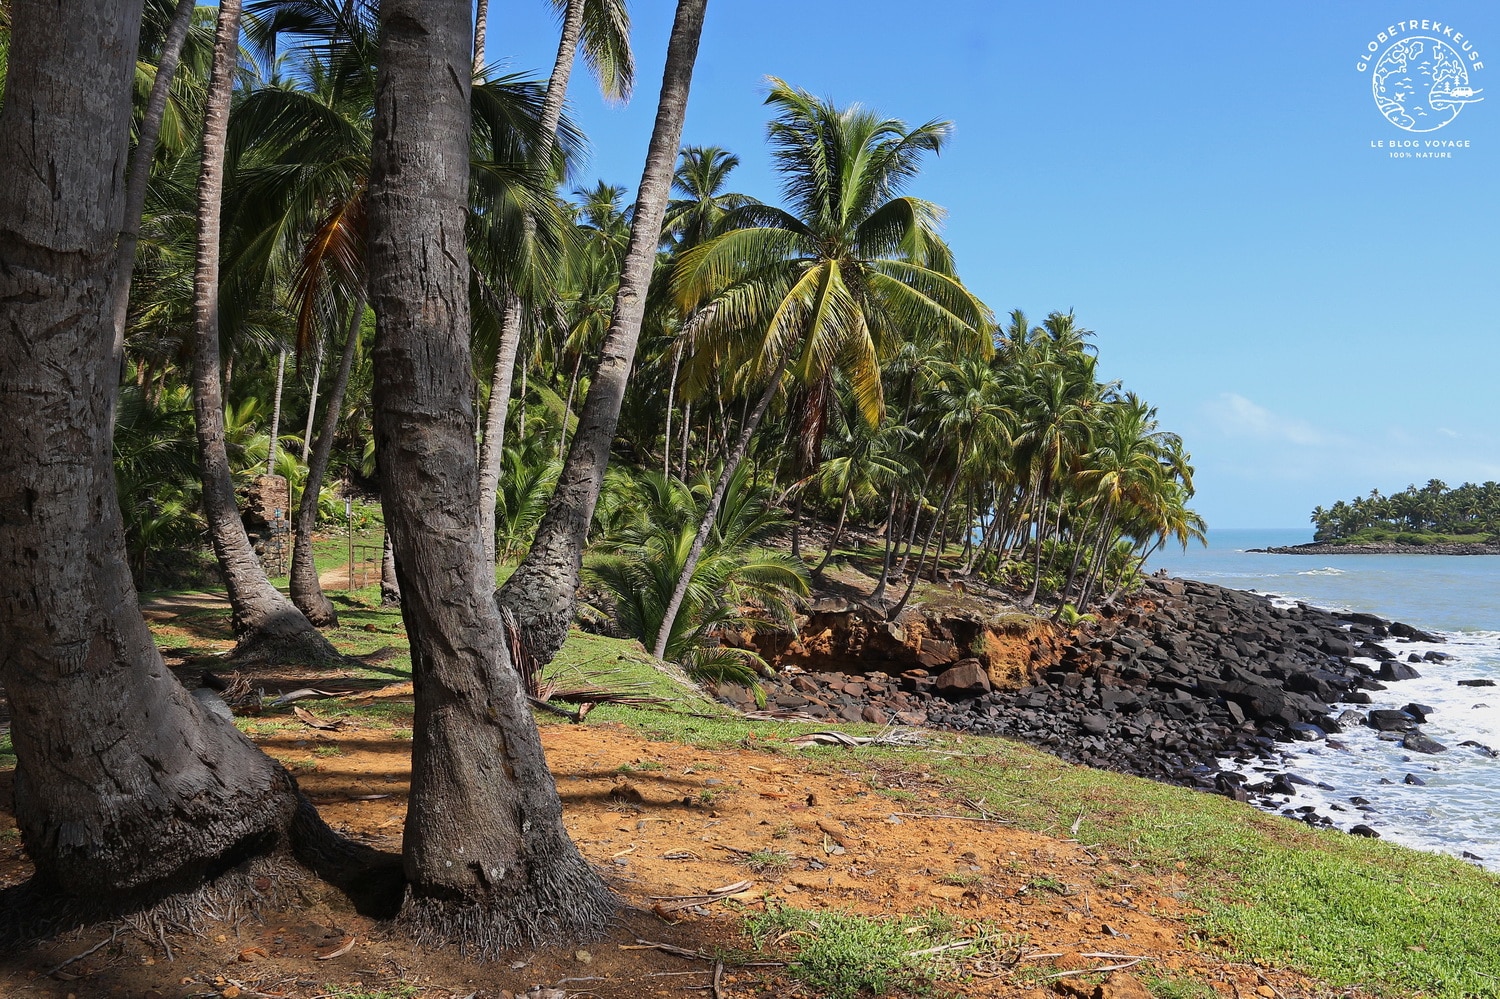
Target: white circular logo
{"points": [[1421, 83]]}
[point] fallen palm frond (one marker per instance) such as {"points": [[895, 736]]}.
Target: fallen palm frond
{"points": [[888, 737]]}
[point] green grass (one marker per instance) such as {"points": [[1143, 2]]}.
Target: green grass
{"points": [[7, 751], [842, 956]]}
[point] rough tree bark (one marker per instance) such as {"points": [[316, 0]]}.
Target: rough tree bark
{"points": [[306, 591], [541, 594], [126, 788], [269, 625], [487, 859]]}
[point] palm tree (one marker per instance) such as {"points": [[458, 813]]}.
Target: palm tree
{"points": [[969, 411], [603, 29], [481, 789], [126, 788], [833, 282], [268, 623], [541, 593]]}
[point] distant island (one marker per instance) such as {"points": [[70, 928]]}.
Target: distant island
{"points": [[1427, 520]]}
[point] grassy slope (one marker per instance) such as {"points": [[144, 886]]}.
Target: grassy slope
{"points": [[1343, 909]]}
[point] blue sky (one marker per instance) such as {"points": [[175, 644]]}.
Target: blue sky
{"points": [[1199, 183]]}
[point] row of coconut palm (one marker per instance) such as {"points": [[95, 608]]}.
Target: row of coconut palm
{"points": [[827, 343]]}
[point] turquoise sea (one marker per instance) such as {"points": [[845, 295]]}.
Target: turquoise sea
{"points": [[1456, 806]]}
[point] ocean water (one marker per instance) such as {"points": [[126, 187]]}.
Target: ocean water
{"points": [[1456, 809]]}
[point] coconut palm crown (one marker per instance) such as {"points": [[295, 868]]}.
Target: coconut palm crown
{"points": [[842, 274]]}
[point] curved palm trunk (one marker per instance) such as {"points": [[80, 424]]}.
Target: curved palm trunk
{"points": [[126, 788], [307, 593], [731, 464], [492, 454], [140, 171], [542, 592], [268, 624], [488, 862]]}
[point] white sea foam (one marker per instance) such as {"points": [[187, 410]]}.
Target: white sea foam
{"points": [[1455, 811], [1327, 570]]}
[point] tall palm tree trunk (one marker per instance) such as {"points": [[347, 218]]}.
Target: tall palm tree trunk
{"points": [[312, 403], [489, 864], [140, 170], [481, 29], [541, 593], [838, 532], [492, 453], [666, 450], [126, 788], [731, 463], [276, 414], [307, 593], [492, 457], [890, 543], [268, 624]]}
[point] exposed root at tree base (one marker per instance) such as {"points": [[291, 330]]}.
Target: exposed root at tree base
{"points": [[32, 912], [307, 647], [488, 930]]}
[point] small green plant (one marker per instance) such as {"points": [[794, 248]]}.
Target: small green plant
{"points": [[328, 751], [707, 796], [306, 765], [1053, 885], [962, 879], [639, 766], [841, 955], [344, 992], [1179, 988], [1068, 615], [782, 831], [764, 861]]}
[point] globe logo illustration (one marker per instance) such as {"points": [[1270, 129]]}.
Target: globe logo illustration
{"points": [[1421, 84]]}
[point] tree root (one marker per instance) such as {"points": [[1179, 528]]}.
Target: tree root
{"points": [[306, 646], [34, 912], [561, 901]]}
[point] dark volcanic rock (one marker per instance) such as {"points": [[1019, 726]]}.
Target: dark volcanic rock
{"points": [[1390, 720], [1417, 742], [1391, 670]]}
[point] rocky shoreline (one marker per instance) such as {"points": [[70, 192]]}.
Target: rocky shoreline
{"points": [[1185, 675], [1383, 548]]}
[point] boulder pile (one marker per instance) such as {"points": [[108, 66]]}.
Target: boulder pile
{"points": [[1185, 675]]}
